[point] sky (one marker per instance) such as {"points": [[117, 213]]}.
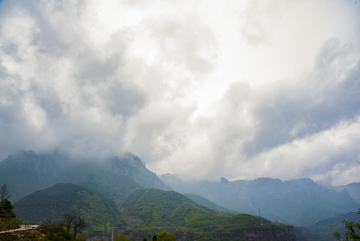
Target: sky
{"points": [[202, 89]]}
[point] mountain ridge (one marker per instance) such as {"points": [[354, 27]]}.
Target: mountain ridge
{"points": [[298, 201], [26, 172]]}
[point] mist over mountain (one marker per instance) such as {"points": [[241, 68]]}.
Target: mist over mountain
{"points": [[116, 180], [26, 172], [298, 202], [248, 90], [353, 189]]}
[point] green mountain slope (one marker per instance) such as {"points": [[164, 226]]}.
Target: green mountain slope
{"points": [[185, 213], [176, 213], [68, 198], [207, 203], [146, 212], [96, 177], [189, 215], [153, 205], [322, 230]]}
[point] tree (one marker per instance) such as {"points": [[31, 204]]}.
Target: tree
{"points": [[67, 221], [165, 236], [78, 225], [6, 209], [66, 229], [4, 193], [53, 231], [351, 233], [121, 237]]}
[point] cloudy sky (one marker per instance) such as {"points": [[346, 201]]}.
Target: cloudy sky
{"points": [[202, 89]]}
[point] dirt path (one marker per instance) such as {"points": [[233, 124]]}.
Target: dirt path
{"points": [[22, 228]]}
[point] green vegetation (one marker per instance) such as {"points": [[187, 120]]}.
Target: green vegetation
{"points": [[322, 230], [208, 204], [112, 193], [7, 216], [50, 204], [352, 231], [99, 179], [170, 211], [142, 213], [66, 229], [121, 237], [8, 224], [165, 236], [153, 205]]}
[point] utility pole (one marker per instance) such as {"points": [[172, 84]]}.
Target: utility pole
{"points": [[112, 233], [259, 217], [52, 220]]}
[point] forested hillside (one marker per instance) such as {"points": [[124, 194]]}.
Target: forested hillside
{"points": [[322, 230], [146, 212], [52, 203], [206, 203]]}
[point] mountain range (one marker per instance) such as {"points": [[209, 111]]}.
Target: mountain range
{"points": [[26, 172], [121, 191], [297, 202], [146, 212]]}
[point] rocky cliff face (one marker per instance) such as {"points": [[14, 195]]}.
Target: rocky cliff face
{"points": [[131, 166]]}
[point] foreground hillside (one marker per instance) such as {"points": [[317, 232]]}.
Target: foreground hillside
{"points": [[146, 212], [51, 203]]}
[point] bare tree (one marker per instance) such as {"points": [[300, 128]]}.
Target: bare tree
{"points": [[4, 193], [5, 205], [79, 224], [67, 221]]}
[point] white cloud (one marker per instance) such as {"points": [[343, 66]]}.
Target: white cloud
{"points": [[203, 89]]}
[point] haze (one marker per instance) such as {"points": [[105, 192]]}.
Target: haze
{"points": [[201, 89]]}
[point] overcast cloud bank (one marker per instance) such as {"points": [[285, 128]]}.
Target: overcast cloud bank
{"points": [[203, 89]]}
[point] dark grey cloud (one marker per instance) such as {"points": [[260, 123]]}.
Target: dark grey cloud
{"points": [[312, 103]]}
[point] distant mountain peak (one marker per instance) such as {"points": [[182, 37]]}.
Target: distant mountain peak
{"points": [[224, 180]]}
